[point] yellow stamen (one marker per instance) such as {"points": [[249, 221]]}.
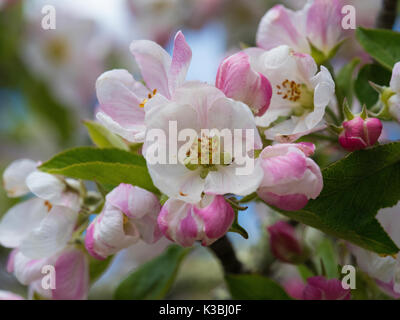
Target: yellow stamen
{"points": [[125, 219], [394, 256], [143, 103], [289, 90], [149, 96], [48, 205]]}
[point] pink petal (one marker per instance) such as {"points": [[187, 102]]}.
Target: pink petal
{"points": [[283, 242], [283, 168], [90, 242], [239, 81], [307, 147], [291, 202], [181, 58], [72, 276], [395, 81], [295, 288], [324, 19], [11, 261], [133, 201], [320, 288], [217, 217], [177, 223], [120, 96], [7, 295], [282, 26], [154, 63]]}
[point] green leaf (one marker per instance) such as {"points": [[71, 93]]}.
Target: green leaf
{"points": [[254, 287], [98, 267], [106, 166], [364, 91], [153, 279], [327, 254], [382, 45], [344, 81], [305, 272], [317, 54], [103, 138], [355, 188]]}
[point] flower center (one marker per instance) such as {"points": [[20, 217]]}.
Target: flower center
{"points": [[297, 93], [125, 219], [289, 90], [57, 50], [149, 96], [205, 153], [48, 205]]}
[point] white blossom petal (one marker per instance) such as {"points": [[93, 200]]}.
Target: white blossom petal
{"points": [[51, 235], [20, 220], [15, 175]]}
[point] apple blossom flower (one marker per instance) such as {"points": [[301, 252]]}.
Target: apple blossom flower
{"points": [[388, 288], [300, 93], [7, 295], [238, 81], [71, 268], [206, 221], [122, 98], [317, 288], [384, 269], [37, 230], [394, 93], [317, 24], [291, 178], [359, 133], [367, 12], [40, 226], [294, 287], [284, 243], [59, 56], [22, 177], [182, 175], [320, 288], [129, 214], [14, 177]]}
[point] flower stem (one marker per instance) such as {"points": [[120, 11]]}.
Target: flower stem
{"points": [[323, 137], [248, 198], [235, 205], [223, 249], [333, 116]]}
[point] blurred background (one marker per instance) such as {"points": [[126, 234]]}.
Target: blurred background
{"points": [[47, 80]]}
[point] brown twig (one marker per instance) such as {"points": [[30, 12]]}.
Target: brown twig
{"points": [[223, 249], [387, 14]]}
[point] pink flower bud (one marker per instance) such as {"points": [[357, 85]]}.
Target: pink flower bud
{"points": [[129, 214], [206, 221], [72, 276], [71, 267], [284, 243], [290, 177], [239, 81], [294, 287], [359, 133], [320, 288], [388, 288]]}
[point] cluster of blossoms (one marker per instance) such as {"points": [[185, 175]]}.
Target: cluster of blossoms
{"points": [[268, 97]]}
